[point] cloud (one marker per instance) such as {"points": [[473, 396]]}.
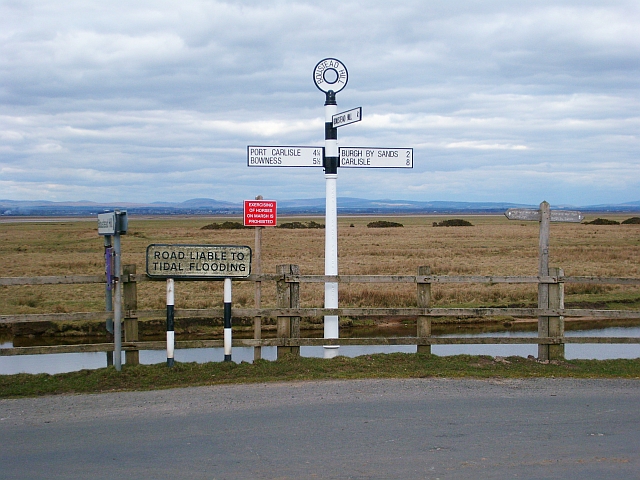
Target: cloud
{"points": [[132, 99]]}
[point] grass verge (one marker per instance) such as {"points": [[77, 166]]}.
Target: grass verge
{"points": [[290, 368]]}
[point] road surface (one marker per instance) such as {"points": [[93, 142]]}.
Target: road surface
{"points": [[365, 429]]}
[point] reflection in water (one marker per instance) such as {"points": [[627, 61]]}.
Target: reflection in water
{"points": [[67, 362]]}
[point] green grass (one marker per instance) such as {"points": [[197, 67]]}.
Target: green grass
{"points": [[291, 368]]}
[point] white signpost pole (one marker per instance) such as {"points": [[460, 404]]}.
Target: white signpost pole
{"points": [[331, 76], [331, 329]]}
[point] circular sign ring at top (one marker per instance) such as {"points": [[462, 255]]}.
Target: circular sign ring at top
{"points": [[330, 74]]}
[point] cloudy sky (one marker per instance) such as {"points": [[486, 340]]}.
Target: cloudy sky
{"points": [[157, 100]]}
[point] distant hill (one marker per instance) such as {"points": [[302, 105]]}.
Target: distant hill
{"points": [[346, 205]]}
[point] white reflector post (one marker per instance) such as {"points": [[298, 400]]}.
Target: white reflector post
{"points": [[170, 323], [227, 319]]}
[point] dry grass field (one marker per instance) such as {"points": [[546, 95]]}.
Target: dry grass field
{"points": [[492, 246]]}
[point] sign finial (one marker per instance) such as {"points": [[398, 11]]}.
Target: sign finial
{"points": [[330, 74]]}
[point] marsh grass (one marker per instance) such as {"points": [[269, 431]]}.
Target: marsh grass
{"points": [[289, 368], [494, 246]]}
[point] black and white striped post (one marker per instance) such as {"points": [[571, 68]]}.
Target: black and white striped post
{"points": [[227, 320], [330, 76], [170, 322]]}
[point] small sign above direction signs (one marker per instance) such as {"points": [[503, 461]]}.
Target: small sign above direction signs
{"points": [[363, 157], [284, 156], [528, 214], [260, 213], [198, 262], [345, 118]]}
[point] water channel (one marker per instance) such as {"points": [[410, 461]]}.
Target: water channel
{"points": [[67, 362]]}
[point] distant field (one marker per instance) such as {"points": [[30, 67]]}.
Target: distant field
{"points": [[492, 246]]}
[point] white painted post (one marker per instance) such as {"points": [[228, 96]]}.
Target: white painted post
{"points": [[170, 321], [227, 320], [331, 220], [117, 308]]}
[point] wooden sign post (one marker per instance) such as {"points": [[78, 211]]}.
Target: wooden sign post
{"points": [[547, 297]]}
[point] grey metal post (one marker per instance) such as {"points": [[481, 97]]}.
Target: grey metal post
{"points": [[117, 310], [108, 292]]}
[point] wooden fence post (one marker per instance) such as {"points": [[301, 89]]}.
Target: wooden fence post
{"points": [[424, 300], [294, 302], [556, 323], [283, 300], [288, 297], [543, 271], [130, 298]]}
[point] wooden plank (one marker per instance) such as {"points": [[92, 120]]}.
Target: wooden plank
{"points": [[53, 280], [264, 277], [319, 312], [566, 216], [49, 349], [306, 342], [602, 280], [55, 317], [527, 215], [488, 279], [351, 278], [524, 214], [419, 279], [88, 279]]}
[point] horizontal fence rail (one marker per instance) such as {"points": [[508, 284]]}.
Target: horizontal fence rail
{"points": [[292, 340], [317, 342], [440, 279], [183, 313]]}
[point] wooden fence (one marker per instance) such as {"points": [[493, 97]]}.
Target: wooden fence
{"points": [[550, 313]]}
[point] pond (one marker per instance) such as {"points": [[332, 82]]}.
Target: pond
{"points": [[67, 362]]}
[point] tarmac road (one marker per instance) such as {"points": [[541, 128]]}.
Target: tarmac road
{"points": [[365, 429]]}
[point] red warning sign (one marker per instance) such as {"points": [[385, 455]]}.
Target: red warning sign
{"points": [[260, 213]]}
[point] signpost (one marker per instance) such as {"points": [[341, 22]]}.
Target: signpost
{"points": [[112, 225], [260, 213], [330, 77], [556, 215], [545, 215]]}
